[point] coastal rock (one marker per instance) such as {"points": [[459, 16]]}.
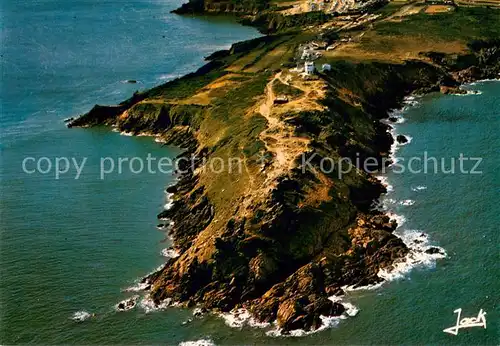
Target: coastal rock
{"points": [[402, 139], [452, 90], [127, 304], [469, 74], [433, 250]]}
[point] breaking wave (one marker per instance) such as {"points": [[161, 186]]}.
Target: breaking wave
{"points": [[326, 321], [201, 342], [421, 252], [80, 316], [170, 253], [237, 318], [419, 188]]}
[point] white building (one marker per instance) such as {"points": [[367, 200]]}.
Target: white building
{"points": [[326, 67], [309, 67]]}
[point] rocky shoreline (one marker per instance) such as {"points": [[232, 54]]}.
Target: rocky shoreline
{"points": [[282, 252]]}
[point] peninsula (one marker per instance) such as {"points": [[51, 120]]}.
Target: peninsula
{"points": [[281, 236]]}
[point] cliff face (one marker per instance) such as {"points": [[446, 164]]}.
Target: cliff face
{"points": [[283, 233], [218, 6]]}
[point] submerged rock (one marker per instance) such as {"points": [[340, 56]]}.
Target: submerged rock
{"points": [[452, 90], [127, 304], [433, 250], [402, 139]]}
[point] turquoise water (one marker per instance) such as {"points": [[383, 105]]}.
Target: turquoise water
{"points": [[74, 245]]}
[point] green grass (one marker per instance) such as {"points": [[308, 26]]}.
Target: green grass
{"points": [[462, 24], [185, 86], [280, 88]]}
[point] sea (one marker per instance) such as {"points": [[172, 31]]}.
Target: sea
{"points": [[74, 242]]}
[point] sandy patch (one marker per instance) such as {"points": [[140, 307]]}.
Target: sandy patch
{"points": [[438, 9]]}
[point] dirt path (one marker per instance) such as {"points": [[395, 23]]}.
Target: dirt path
{"points": [[279, 137]]}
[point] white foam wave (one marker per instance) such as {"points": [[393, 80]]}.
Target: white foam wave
{"points": [[237, 318], [148, 305], [127, 304], [80, 316], [326, 321], [485, 80], [138, 287], [198, 312], [385, 181], [160, 267], [400, 219], [170, 201], [470, 92], [370, 287], [170, 76], [201, 342], [419, 188], [421, 254], [170, 253]]}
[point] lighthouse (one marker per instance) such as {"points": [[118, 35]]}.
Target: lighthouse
{"points": [[309, 67]]}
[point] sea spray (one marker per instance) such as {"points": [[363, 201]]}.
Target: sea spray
{"points": [[127, 304], [237, 318], [201, 342], [80, 316], [170, 253], [326, 321]]}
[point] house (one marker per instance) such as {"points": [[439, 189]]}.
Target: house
{"points": [[309, 67], [280, 99]]}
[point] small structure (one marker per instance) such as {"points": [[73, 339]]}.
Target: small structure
{"points": [[326, 67], [309, 67], [280, 99]]}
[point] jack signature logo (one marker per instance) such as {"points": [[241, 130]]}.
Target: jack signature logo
{"points": [[479, 321]]}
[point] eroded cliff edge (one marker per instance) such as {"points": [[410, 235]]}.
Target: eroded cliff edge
{"points": [[279, 236]]}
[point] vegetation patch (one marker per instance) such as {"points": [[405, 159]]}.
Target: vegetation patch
{"points": [[281, 88]]}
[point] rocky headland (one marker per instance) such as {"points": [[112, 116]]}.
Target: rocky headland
{"points": [[283, 234]]}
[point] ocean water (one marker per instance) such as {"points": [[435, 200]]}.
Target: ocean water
{"points": [[71, 247]]}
